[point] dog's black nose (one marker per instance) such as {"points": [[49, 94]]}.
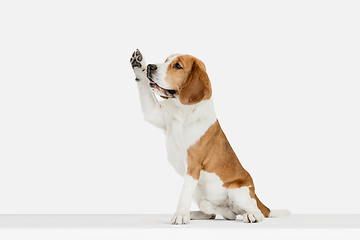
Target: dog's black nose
{"points": [[151, 67]]}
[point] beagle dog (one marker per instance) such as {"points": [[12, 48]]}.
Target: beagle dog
{"points": [[197, 147]]}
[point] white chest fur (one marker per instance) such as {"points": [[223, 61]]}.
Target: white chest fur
{"points": [[184, 127]]}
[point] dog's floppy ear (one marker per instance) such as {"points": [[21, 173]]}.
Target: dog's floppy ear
{"points": [[197, 87]]}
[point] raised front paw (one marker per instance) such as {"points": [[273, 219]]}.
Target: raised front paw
{"points": [[136, 59], [180, 218]]}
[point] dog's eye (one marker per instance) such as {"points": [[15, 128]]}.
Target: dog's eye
{"points": [[177, 66]]}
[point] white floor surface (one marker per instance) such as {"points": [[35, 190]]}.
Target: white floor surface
{"points": [[295, 226]]}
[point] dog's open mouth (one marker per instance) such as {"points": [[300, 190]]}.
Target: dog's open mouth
{"points": [[168, 93]]}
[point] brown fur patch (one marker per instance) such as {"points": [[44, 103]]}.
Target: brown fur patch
{"points": [[191, 82], [213, 154], [177, 77]]}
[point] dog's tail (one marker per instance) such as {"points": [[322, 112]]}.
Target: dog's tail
{"points": [[279, 213]]}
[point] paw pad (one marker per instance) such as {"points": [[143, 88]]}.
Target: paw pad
{"points": [[136, 58]]}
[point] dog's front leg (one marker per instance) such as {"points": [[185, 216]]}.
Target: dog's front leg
{"points": [[149, 104], [182, 214]]}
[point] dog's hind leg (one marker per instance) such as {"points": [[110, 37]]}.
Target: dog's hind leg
{"points": [[245, 204], [199, 215], [209, 208]]}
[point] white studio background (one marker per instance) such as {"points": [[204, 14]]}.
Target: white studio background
{"points": [[286, 84]]}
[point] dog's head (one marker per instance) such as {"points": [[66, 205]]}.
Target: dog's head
{"points": [[180, 76]]}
